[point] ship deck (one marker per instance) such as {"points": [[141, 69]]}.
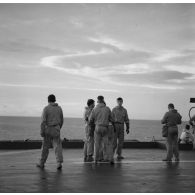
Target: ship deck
{"points": [[141, 171]]}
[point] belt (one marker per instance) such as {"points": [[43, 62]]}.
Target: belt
{"points": [[101, 125], [172, 125], [118, 123], [52, 125]]}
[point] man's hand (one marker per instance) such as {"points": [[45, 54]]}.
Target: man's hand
{"points": [[42, 134], [127, 128]]}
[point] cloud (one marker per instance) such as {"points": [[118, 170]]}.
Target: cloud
{"points": [[57, 87], [107, 41], [76, 22]]}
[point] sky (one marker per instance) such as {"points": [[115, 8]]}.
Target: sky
{"points": [[144, 53]]}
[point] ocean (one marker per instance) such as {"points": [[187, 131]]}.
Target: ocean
{"points": [[21, 128]]}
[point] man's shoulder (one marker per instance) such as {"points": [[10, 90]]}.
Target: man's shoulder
{"points": [[107, 108], [124, 109], [45, 108], [115, 108]]}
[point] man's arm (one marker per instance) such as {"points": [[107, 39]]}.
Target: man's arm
{"points": [[85, 117], [43, 122], [179, 121], [91, 118], [61, 118], [111, 118], [191, 137], [127, 122], [164, 119]]}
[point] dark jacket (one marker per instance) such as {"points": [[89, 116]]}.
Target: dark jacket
{"points": [[172, 118]]}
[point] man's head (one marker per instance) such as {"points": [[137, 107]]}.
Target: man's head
{"points": [[91, 103], [187, 127], [119, 101], [51, 98], [100, 99], [171, 106]]}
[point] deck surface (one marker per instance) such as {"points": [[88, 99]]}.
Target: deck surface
{"points": [[141, 171]]}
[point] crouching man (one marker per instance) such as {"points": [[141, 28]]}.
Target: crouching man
{"points": [[52, 121]]}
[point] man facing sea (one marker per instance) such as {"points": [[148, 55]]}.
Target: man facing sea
{"points": [[101, 116], [52, 121]]}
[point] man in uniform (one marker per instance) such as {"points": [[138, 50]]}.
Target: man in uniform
{"points": [[172, 119], [89, 131], [120, 116], [52, 121], [101, 116]]}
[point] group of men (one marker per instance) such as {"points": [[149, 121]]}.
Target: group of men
{"points": [[104, 130]]}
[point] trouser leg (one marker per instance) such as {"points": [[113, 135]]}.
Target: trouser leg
{"points": [[115, 141], [105, 146], [110, 144], [169, 145], [45, 149], [85, 146], [85, 149], [175, 147], [97, 145], [90, 146], [57, 145], [120, 139]]}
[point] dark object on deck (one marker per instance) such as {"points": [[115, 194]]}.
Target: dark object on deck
{"points": [[192, 100], [162, 145], [186, 146]]}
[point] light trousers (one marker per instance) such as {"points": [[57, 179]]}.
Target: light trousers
{"points": [[89, 143], [172, 143], [119, 138], [101, 141], [57, 145]]}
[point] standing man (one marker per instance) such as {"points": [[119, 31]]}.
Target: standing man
{"points": [[101, 116], [52, 121], [120, 116], [172, 118], [89, 131]]}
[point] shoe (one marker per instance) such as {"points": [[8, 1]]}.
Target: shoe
{"points": [[177, 160], [85, 159], [40, 165], [90, 158], [120, 157], [59, 166], [112, 162]]}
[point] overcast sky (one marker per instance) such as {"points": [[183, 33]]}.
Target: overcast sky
{"points": [[144, 53]]}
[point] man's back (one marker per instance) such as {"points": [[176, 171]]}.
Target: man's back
{"points": [[172, 118], [53, 115], [101, 115]]}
